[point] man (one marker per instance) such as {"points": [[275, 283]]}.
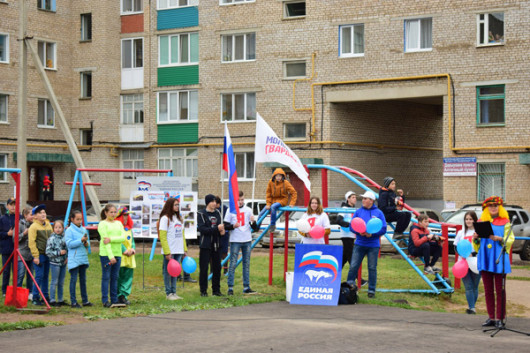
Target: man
{"points": [[224, 240], [367, 244], [388, 204], [240, 238], [7, 227], [346, 235], [211, 227]]}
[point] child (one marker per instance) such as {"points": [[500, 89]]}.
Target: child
{"points": [[56, 252], [112, 235], [422, 243], [27, 258], [77, 242], [128, 262], [316, 216], [279, 191], [38, 235], [389, 205]]}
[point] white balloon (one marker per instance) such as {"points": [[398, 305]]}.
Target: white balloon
{"points": [[472, 263], [303, 226]]}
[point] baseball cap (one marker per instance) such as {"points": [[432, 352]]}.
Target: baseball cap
{"points": [[349, 193], [368, 195], [37, 209], [10, 200]]}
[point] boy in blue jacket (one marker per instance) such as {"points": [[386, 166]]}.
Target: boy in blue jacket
{"points": [[367, 244]]}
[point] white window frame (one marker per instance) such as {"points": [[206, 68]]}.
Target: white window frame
{"points": [[44, 51], [132, 159], [3, 164], [133, 53], [191, 110], [176, 4], [485, 23], [232, 118], [43, 5], [86, 86], [494, 177], [5, 104], [234, 2], [188, 155], [6, 61], [248, 172], [137, 99], [299, 138], [419, 48], [351, 54], [86, 28], [169, 41], [83, 138], [233, 54], [45, 112], [290, 62], [132, 12], [286, 12]]}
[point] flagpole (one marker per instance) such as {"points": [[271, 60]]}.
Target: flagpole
{"points": [[254, 185], [222, 180]]}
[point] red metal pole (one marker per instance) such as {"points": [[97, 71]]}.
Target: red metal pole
{"points": [[71, 182], [445, 251], [14, 259], [270, 257], [360, 276], [286, 245], [123, 170], [324, 173], [457, 280]]}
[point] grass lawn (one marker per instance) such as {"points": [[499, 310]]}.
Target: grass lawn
{"points": [[148, 295]]}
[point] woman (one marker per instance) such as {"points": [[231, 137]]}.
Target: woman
{"points": [[489, 250], [316, 216], [472, 279]]}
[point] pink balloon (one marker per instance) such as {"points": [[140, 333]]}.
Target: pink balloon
{"points": [[460, 268], [173, 268], [317, 232], [358, 225]]}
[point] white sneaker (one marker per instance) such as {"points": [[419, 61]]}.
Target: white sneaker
{"points": [[170, 296], [176, 297], [30, 297], [428, 270]]}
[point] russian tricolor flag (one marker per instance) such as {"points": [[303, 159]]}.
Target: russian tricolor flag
{"points": [[229, 165]]}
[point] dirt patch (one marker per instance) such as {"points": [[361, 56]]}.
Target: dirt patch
{"points": [[66, 319]]}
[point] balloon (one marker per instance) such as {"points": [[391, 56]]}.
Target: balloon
{"points": [[189, 265], [357, 225], [374, 225], [173, 268], [460, 268], [317, 232], [346, 229], [472, 263], [303, 226], [464, 248]]}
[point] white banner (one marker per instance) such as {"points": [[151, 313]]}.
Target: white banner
{"points": [[270, 148]]}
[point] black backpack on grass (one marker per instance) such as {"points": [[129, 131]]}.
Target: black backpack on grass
{"points": [[348, 293]]}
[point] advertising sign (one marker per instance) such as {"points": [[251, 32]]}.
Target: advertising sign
{"points": [[460, 166]]}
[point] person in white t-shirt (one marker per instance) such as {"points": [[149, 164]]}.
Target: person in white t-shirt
{"points": [[316, 216], [173, 242], [240, 239]]}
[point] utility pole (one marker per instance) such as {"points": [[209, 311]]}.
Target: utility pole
{"points": [[22, 103]]}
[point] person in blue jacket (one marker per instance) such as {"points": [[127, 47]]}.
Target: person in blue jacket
{"points": [[367, 244], [7, 228]]}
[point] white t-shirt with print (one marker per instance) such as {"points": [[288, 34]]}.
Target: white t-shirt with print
{"points": [[316, 220], [175, 239], [243, 233]]}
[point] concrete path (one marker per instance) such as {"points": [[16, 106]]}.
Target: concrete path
{"points": [[276, 327]]}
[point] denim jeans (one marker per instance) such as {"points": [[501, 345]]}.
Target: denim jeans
{"points": [[170, 282], [234, 253], [81, 270], [109, 278], [42, 274], [471, 282], [22, 271], [359, 252], [58, 273], [274, 209], [7, 272]]}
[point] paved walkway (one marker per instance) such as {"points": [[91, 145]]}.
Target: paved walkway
{"points": [[276, 327]]}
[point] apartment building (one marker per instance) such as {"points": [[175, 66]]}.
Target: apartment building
{"points": [[388, 88]]}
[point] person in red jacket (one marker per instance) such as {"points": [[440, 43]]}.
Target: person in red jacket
{"points": [[424, 244]]}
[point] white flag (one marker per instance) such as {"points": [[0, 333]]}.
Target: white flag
{"points": [[270, 148]]}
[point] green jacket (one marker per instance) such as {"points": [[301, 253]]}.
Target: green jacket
{"points": [[38, 235], [113, 230]]}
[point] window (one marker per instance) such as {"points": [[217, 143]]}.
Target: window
{"points": [[293, 9], [131, 6], [178, 49], [490, 105], [294, 69], [418, 34], [4, 48], [132, 109], [86, 137], [294, 131], [183, 162], [172, 4], [224, 2], [351, 40], [490, 28], [239, 47], [46, 115], [132, 159], [46, 52], [490, 180], [177, 106], [244, 165], [86, 84], [238, 106], [3, 164], [3, 108], [46, 5], [86, 27], [132, 53]]}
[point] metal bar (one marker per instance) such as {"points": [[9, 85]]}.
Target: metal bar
{"points": [[121, 170], [286, 245]]}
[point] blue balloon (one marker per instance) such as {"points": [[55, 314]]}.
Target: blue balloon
{"points": [[189, 265], [464, 248], [345, 229], [374, 225]]}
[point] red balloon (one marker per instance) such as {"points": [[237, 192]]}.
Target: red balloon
{"points": [[317, 232], [174, 268], [460, 268], [358, 225]]}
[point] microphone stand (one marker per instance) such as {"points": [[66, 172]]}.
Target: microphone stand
{"points": [[503, 291]]}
